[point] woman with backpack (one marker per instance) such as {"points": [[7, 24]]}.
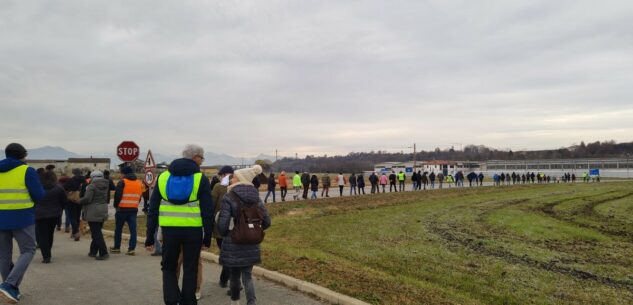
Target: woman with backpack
{"points": [[240, 245]]}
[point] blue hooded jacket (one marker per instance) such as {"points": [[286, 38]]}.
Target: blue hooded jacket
{"points": [[18, 219]]}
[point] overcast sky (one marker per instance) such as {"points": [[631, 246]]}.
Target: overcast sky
{"points": [[315, 77]]}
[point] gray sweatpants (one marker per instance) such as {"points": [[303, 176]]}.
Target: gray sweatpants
{"points": [[25, 237]]}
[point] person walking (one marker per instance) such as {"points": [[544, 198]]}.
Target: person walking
{"points": [[432, 179], [424, 180], [326, 183], [48, 211], [95, 203], [401, 178], [217, 194], [305, 182], [392, 182], [73, 189], [440, 179], [340, 181], [127, 195], [20, 187], [480, 177], [297, 185], [241, 258], [283, 185], [373, 180], [383, 182], [352, 184], [314, 186], [271, 187], [182, 205], [414, 180], [360, 182]]}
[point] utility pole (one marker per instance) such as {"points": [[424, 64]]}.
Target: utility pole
{"points": [[276, 155], [296, 156], [415, 157]]}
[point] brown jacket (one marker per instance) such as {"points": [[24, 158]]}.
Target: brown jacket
{"points": [[217, 194]]}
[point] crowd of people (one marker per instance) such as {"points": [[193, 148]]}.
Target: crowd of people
{"points": [[185, 211], [185, 206]]}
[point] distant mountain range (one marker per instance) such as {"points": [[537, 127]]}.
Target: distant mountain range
{"points": [[211, 158]]}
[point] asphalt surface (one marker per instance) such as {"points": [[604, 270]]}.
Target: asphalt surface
{"points": [[75, 278]]}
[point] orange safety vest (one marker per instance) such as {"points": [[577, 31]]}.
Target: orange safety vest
{"points": [[132, 192]]}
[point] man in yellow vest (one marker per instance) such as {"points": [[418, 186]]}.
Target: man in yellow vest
{"points": [[20, 187], [127, 195], [182, 206]]}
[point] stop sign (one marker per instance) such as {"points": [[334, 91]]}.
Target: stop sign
{"points": [[127, 151]]}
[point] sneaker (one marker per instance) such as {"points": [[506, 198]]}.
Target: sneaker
{"points": [[67, 230], [130, 252], [9, 294], [228, 292], [114, 250], [198, 295], [103, 257], [92, 254], [46, 260]]}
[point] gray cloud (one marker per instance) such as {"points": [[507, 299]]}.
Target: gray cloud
{"points": [[315, 77]]}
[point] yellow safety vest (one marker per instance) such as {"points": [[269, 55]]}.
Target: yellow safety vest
{"points": [[13, 192], [401, 176], [179, 215]]}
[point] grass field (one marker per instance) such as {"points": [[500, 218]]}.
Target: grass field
{"points": [[533, 244]]}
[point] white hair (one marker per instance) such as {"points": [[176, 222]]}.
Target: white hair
{"points": [[192, 150]]}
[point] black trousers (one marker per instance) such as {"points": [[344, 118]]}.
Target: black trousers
{"points": [[225, 275], [45, 231], [392, 186], [284, 191], [305, 191], [75, 215], [190, 244], [98, 245]]}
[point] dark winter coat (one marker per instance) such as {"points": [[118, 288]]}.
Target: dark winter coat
{"points": [[53, 203], [360, 181], [352, 180], [183, 167], [314, 183], [236, 255], [392, 178], [432, 177], [373, 179], [305, 179], [271, 183]]}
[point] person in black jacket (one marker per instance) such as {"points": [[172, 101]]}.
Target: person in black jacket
{"points": [[314, 186], [271, 187], [190, 238], [360, 183], [373, 179], [48, 211], [75, 184], [392, 182], [305, 182]]}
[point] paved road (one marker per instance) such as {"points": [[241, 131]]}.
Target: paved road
{"points": [[74, 278]]}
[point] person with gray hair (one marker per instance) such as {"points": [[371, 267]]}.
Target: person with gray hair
{"points": [[193, 151], [181, 204]]}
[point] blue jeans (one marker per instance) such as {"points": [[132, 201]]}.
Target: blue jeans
{"points": [[121, 217], [268, 194], [25, 237]]}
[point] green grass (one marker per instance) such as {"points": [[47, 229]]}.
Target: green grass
{"points": [[528, 244]]}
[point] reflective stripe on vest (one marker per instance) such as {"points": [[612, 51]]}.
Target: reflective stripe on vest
{"points": [[13, 192], [179, 215], [132, 192]]}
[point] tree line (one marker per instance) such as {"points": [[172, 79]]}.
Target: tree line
{"points": [[360, 161]]}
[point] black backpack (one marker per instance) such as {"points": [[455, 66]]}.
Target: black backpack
{"points": [[247, 229]]}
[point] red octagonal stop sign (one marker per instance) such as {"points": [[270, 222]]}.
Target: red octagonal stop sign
{"points": [[127, 151]]}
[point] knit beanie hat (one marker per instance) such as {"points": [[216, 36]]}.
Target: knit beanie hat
{"points": [[96, 174], [15, 150], [126, 170], [247, 175]]}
